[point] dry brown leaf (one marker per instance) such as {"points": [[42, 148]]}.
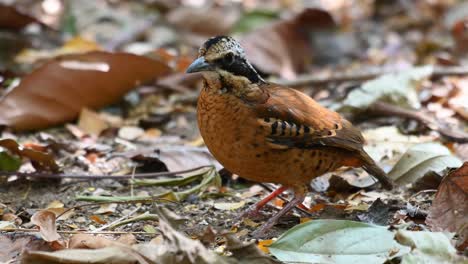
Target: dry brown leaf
{"points": [[460, 36], [291, 52], [247, 252], [12, 246], [449, 211], [91, 123], [90, 242], [45, 220], [200, 20], [120, 255], [11, 18], [98, 219], [127, 239], [58, 90], [40, 160], [457, 100]]}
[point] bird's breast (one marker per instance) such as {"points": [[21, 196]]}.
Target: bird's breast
{"points": [[232, 133]]}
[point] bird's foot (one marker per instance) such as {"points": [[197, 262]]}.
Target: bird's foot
{"points": [[252, 213], [261, 231]]}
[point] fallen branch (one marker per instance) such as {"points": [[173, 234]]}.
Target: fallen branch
{"points": [[77, 232], [451, 134], [151, 199], [338, 77], [99, 177]]}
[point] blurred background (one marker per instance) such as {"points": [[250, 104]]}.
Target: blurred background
{"points": [[98, 88]]}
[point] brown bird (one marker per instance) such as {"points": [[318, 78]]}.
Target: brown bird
{"points": [[266, 132]]}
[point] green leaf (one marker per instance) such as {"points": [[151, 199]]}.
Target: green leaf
{"points": [[428, 247], [420, 159], [8, 162], [395, 88], [255, 19], [337, 241], [209, 177]]}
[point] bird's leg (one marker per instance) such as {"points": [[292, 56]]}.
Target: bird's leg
{"points": [[253, 211], [270, 197], [298, 199], [299, 196]]}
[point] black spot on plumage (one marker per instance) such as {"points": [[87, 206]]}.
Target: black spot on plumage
{"points": [[330, 132], [292, 129], [240, 67], [283, 127], [267, 119], [298, 129], [210, 42], [274, 127], [319, 164], [306, 129], [337, 126]]}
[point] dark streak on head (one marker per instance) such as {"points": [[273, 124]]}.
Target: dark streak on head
{"points": [[236, 63]]}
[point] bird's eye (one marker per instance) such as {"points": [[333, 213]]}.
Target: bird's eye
{"points": [[228, 59]]}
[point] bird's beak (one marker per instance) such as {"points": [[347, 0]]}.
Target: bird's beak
{"points": [[199, 65]]}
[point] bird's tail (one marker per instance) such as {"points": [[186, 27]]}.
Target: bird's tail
{"points": [[374, 170]]}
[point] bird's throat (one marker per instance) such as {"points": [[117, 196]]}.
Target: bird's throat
{"points": [[225, 82]]}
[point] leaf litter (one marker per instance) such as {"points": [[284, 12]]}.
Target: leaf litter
{"points": [[101, 203]]}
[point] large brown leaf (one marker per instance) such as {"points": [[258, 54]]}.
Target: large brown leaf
{"points": [[58, 90], [283, 48], [206, 21], [11, 18], [449, 211]]}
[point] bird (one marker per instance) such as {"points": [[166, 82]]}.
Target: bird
{"points": [[267, 132]]}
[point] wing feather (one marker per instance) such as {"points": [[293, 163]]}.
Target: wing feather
{"points": [[294, 120]]}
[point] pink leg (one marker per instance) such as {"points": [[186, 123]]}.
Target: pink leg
{"points": [[298, 199], [270, 197], [254, 210]]}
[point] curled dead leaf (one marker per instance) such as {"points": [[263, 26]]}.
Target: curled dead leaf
{"points": [[449, 211], [58, 90], [40, 160], [45, 220]]}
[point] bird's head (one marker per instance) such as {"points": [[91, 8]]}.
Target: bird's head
{"points": [[224, 54]]}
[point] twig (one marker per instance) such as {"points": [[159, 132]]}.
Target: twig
{"points": [[76, 232], [151, 199], [449, 133], [116, 222], [268, 188], [143, 217], [129, 35], [99, 177], [314, 79]]}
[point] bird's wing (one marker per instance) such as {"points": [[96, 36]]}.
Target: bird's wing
{"points": [[294, 120]]}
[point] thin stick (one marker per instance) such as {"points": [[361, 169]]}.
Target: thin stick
{"points": [[116, 222], [449, 133], [132, 182], [268, 188], [76, 232], [152, 199], [99, 177], [314, 79]]}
